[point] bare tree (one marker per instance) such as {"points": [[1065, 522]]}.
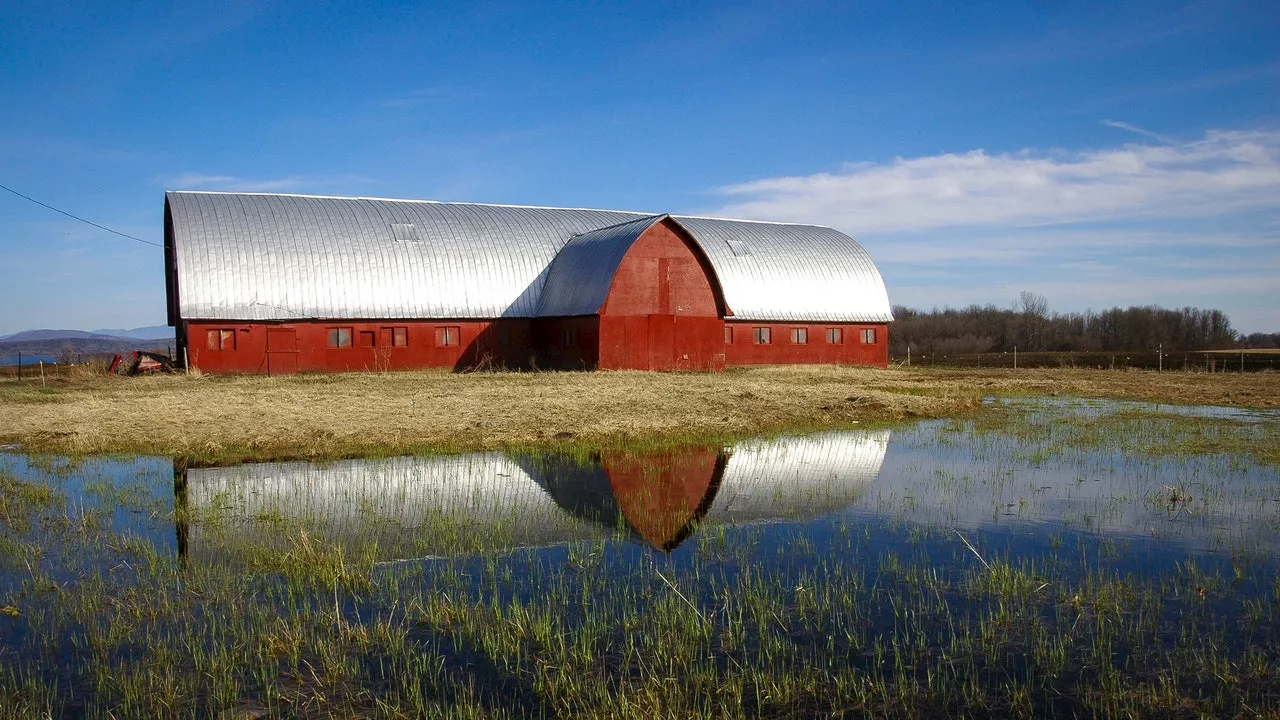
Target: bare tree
{"points": [[1032, 304], [1031, 327]]}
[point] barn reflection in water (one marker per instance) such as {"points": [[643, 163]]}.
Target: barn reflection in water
{"points": [[410, 507]]}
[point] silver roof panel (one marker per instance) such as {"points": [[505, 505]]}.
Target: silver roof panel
{"points": [[247, 256]]}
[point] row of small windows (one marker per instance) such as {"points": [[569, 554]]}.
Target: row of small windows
{"points": [[450, 336], [341, 337], [445, 336], [345, 337], [800, 336]]}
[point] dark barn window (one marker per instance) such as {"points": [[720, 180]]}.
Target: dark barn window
{"points": [[728, 335], [447, 336], [868, 336], [800, 336], [221, 340], [835, 336], [763, 336], [399, 336], [340, 337]]}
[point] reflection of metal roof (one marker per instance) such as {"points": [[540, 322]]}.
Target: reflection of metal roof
{"points": [[243, 256], [424, 506], [797, 477], [581, 274], [407, 506]]}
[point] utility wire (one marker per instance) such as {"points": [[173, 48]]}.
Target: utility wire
{"points": [[77, 217]]}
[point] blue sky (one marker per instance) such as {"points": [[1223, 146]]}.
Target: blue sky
{"points": [[1109, 154]]}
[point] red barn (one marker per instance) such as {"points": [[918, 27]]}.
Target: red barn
{"points": [[261, 283]]}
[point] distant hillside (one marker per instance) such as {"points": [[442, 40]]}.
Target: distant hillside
{"points": [[84, 344], [150, 332], [80, 342], [57, 335]]}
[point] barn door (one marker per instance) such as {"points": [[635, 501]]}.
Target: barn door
{"points": [[662, 342], [282, 351]]}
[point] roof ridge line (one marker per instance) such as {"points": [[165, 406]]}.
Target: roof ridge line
{"points": [[639, 213], [655, 218]]}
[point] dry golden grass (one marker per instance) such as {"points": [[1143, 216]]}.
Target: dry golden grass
{"points": [[220, 418], [1244, 390]]}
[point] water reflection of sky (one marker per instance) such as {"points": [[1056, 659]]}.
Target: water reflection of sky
{"points": [[931, 477], [1098, 407], [928, 475]]}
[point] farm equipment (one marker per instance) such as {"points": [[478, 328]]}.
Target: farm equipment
{"points": [[140, 362]]}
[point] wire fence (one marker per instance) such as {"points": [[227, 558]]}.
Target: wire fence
{"points": [[1210, 361]]}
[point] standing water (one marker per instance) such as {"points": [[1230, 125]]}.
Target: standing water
{"points": [[1044, 557]]}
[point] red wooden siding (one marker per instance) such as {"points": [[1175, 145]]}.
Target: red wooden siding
{"points": [[662, 312], [281, 348], [659, 342]]}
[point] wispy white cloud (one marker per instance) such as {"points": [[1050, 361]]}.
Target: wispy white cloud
{"points": [[231, 183], [1225, 171], [1121, 125], [1021, 245], [1178, 223]]}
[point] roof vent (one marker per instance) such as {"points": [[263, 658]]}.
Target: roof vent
{"points": [[739, 248], [404, 232]]}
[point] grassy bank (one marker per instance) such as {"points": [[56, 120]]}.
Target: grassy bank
{"points": [[224, 418]]}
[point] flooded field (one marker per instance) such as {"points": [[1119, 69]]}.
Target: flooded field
{"points": [[1052, 557]]}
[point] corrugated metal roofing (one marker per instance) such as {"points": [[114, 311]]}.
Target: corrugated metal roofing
{"points": [[581, 274], [791, 272], [244, 256]]}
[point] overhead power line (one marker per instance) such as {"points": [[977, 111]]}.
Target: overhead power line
{"points": [[77, 217]]}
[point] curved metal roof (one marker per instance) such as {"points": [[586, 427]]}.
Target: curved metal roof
{"points": [[771, 271], [581, 274], [246, 256]]}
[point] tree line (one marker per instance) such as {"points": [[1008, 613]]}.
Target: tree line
{"points": [[1031, 327]]}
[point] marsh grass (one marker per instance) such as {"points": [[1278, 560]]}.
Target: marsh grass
{"points": [[1152, 432], [846, 615], [227, 418]]}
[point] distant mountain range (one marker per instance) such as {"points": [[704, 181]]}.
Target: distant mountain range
{"points": [[87, 342], [150, 332]]}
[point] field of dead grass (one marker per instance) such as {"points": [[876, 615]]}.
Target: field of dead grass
{"points": [[232, 417]]}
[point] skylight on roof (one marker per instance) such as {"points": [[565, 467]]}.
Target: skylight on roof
{"points": [[404, 232]]}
